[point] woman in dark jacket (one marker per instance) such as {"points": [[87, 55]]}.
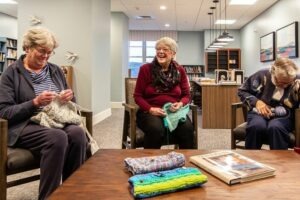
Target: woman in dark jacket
{"points": [[268, 93], [26, 87]]}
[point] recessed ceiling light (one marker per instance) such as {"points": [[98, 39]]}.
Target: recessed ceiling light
{"points": [[144, 17], [227, 21], [163, 7], [167, 25], [8, 2], [242, 2]]}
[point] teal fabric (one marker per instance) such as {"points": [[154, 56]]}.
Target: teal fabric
{"points": [[172, 119]]}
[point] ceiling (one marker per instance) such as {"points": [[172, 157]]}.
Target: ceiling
{"points": [[182, 15]]}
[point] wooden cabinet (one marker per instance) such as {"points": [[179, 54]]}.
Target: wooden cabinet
{"points": [[216, 105], [194, 71], [8, 52], [223, 59]]}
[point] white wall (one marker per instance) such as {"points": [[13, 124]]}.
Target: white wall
{"points": [[119, 52], [8, 26], [82, 27], [190, 48], [280, 14]]}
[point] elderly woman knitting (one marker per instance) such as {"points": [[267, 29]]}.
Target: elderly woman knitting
{"points": [[163, 82], [269, 95], [26, 87]]}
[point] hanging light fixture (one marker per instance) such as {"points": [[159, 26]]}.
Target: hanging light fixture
{"points": [[209, 48], [225, 36], [215, 41]]}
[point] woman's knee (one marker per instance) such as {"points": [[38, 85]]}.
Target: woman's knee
{"points": [[57, 139], [76, 135]]}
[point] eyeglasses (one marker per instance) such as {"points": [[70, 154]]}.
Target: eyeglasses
{"points": [[163, 49], [43, 52]]}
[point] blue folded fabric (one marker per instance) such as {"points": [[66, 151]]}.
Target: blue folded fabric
{"points": [[172, 119], [156, 183]]}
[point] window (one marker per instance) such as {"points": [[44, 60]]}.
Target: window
{"points": [[140, 52]]}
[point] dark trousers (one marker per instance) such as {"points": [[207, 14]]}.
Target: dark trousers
{"points": [[155, 132], [275, 131], [61, 152]]}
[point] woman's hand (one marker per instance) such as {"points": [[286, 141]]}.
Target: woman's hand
{"points": [[263, 109], [66, 95], [157, 112], [176, 106], [44, 98]]}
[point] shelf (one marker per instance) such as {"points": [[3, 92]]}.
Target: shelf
{"points": [[8, 52], [223, 59]]}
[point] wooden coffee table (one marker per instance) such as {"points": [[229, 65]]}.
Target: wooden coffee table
{"points": [[104, 177]]}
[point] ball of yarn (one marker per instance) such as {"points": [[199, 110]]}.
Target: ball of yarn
{"points": [[280, 111]]}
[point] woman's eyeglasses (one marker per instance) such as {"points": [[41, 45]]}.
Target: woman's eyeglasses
{"points": [[163, 50], [44, 52]]}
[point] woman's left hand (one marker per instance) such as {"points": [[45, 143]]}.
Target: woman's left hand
{"points": [[66, 95], [176, 106]]}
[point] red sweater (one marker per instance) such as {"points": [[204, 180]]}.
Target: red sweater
{"points": [[146, 96]]}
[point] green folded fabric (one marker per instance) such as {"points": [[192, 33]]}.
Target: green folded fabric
{"points": [[156, 183], [172, 119]]}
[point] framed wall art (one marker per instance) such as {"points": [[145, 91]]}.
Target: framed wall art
{"points": [[267, 47], [287, 41]]}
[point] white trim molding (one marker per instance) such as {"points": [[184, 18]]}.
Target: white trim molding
{"points": [[101, 116]]}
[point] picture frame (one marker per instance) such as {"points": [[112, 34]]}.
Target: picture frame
{"points": [[267, 47], [287, 41], [237, 76], [221, 75]]}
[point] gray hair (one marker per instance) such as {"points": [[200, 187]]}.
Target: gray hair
{"points": [[284, 67], [39, 36], [168, 42]]}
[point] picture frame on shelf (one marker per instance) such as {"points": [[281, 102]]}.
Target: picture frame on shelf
{"points": [[267, 47], [287, 41], [221, 75]]}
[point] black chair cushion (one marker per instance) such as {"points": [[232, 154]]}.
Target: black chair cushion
{"points": [[19, 160]]}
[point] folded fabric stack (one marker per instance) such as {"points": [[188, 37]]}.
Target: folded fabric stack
{"points": [[161, 174], [156, 183], [154, 163]]}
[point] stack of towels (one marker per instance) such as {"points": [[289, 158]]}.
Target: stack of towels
{"points": [[161, 174]]}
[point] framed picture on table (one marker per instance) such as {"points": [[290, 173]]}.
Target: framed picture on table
{"points": [[287, 41], [267, 47]]}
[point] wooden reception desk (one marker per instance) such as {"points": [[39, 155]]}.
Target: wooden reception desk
{"points": [[216, 105]]}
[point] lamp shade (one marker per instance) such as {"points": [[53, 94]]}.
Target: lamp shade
{"points": [[219, 43], [225, 37]]}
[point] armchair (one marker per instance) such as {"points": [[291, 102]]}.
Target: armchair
{"points": [[238, 131], [18, 160], [133, 137]]}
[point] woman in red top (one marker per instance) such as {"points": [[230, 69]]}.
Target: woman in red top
{"points": [[158, 83]]}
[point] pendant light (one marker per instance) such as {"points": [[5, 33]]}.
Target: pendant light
{"points": [[209, 48], [215, 41], [225, 36]]}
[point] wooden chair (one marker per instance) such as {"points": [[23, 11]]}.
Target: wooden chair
{"points": [[18, 160], [238, 131], [133, 137]]}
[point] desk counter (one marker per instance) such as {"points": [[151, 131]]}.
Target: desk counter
{"points": [[216, 105]]}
